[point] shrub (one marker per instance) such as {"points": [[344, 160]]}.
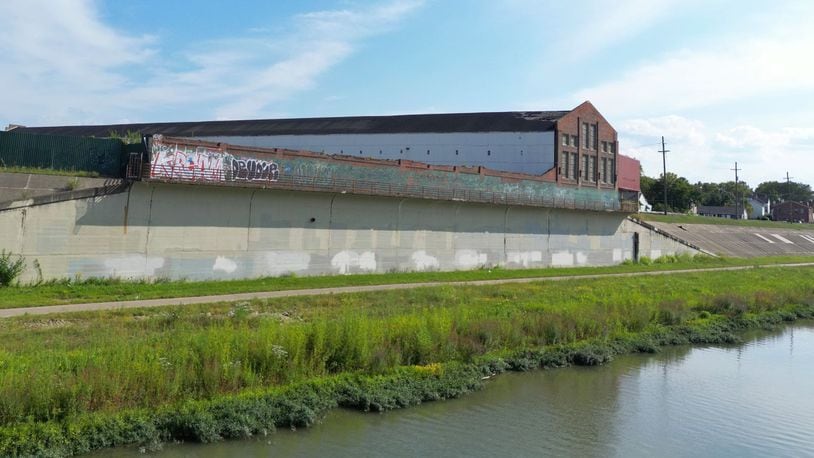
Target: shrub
{"points": [[727, 304], [10, 268], [72, 184]]}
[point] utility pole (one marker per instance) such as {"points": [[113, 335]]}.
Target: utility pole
{"points": [[788, 186], [664, 177], [737, 192]]}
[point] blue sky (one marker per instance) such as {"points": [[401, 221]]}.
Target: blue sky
{"points": [[723, 81]]}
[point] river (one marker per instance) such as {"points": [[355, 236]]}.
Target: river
{"points": [[756, 399]]}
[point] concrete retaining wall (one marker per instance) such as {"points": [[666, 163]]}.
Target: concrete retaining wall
{"points": [[201, 232], [21, 186]]}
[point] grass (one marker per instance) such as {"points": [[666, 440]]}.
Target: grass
{"points": [[695, 219], [44, 171], [102, 290], [74, 382]]}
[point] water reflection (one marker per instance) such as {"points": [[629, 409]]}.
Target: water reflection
{"points": [[756, 399]]}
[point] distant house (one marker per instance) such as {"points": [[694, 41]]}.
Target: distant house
{"points": [[761, 207], [794, 212], [721, 212], [644, 205]]}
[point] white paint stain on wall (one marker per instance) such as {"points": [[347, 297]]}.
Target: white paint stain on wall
{"points": [[562, 258], [582, 258], [345, 261], [469, 259], [224, 264], [284, 262], [134, 265], [617, 255], [424, 261], [524, 258], [655, 254]]}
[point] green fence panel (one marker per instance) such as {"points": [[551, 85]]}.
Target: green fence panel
{"points": [[102, 155]]}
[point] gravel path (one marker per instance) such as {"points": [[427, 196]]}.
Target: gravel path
{"points": [[5, 313]]}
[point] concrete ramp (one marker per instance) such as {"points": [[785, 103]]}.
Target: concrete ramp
{"points": [[742, 241]]}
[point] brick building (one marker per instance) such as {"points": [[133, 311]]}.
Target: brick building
{"points": [[587, 148], [793, 212]]}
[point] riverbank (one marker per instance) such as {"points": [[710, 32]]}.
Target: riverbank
{"points": [[69, 384], [74, 291]]}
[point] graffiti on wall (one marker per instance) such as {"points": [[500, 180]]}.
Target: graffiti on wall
{"points": [[206, 164], [253, 170]]}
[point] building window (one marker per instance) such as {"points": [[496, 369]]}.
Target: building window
{"points": [[565, 139], [613, 147], [604, 170], [604, 147], [574, 141], [586, 170], [585, 135], [592, 138], [612, 169], [564, 170], [574, 166], [592, 168]]}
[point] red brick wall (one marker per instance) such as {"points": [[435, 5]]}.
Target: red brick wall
{"points": [[571, 124]]}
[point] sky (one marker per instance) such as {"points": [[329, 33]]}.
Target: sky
{"points": [[723, 81]]}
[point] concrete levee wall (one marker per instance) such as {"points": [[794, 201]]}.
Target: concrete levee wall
{"points": [[174, 231], [653, 244]]}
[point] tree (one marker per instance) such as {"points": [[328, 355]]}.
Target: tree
{"points": [[680, 193], [776, 191], [721, 194]]}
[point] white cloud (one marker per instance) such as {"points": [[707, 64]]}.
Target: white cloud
{"points": [[739, 68], [72, 68], [701, 153], [609, 25], [53, 54], [578, 29]]}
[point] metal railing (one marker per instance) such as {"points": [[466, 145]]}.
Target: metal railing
{"points": [[374, 188]]}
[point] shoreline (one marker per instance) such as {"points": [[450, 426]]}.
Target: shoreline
{"points": [[302, 404]]}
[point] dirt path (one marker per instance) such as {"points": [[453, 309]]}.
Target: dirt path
{"points": [[5, 313]]}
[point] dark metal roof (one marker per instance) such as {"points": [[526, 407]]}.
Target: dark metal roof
{"points": [[511, 121]]}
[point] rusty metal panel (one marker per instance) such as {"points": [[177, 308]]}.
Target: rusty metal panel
{"points": [[629, 173]]}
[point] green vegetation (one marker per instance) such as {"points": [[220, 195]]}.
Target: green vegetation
{"points": [[128, 138], [41, 171], [695, 219], [681, 194], [10, 268], [75, 382], [99, 290]]}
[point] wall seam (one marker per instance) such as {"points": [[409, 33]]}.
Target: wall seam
{"points": [[505, 229], [330, 223], [149, 223], [249, 223]]}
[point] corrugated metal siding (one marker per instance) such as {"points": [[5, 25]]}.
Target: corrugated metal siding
{"points": [[105, 156]]}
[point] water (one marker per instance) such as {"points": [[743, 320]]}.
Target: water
{"points": [[752, 400]]}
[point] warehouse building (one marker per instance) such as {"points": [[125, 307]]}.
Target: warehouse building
{"points": [[573, 147]]}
